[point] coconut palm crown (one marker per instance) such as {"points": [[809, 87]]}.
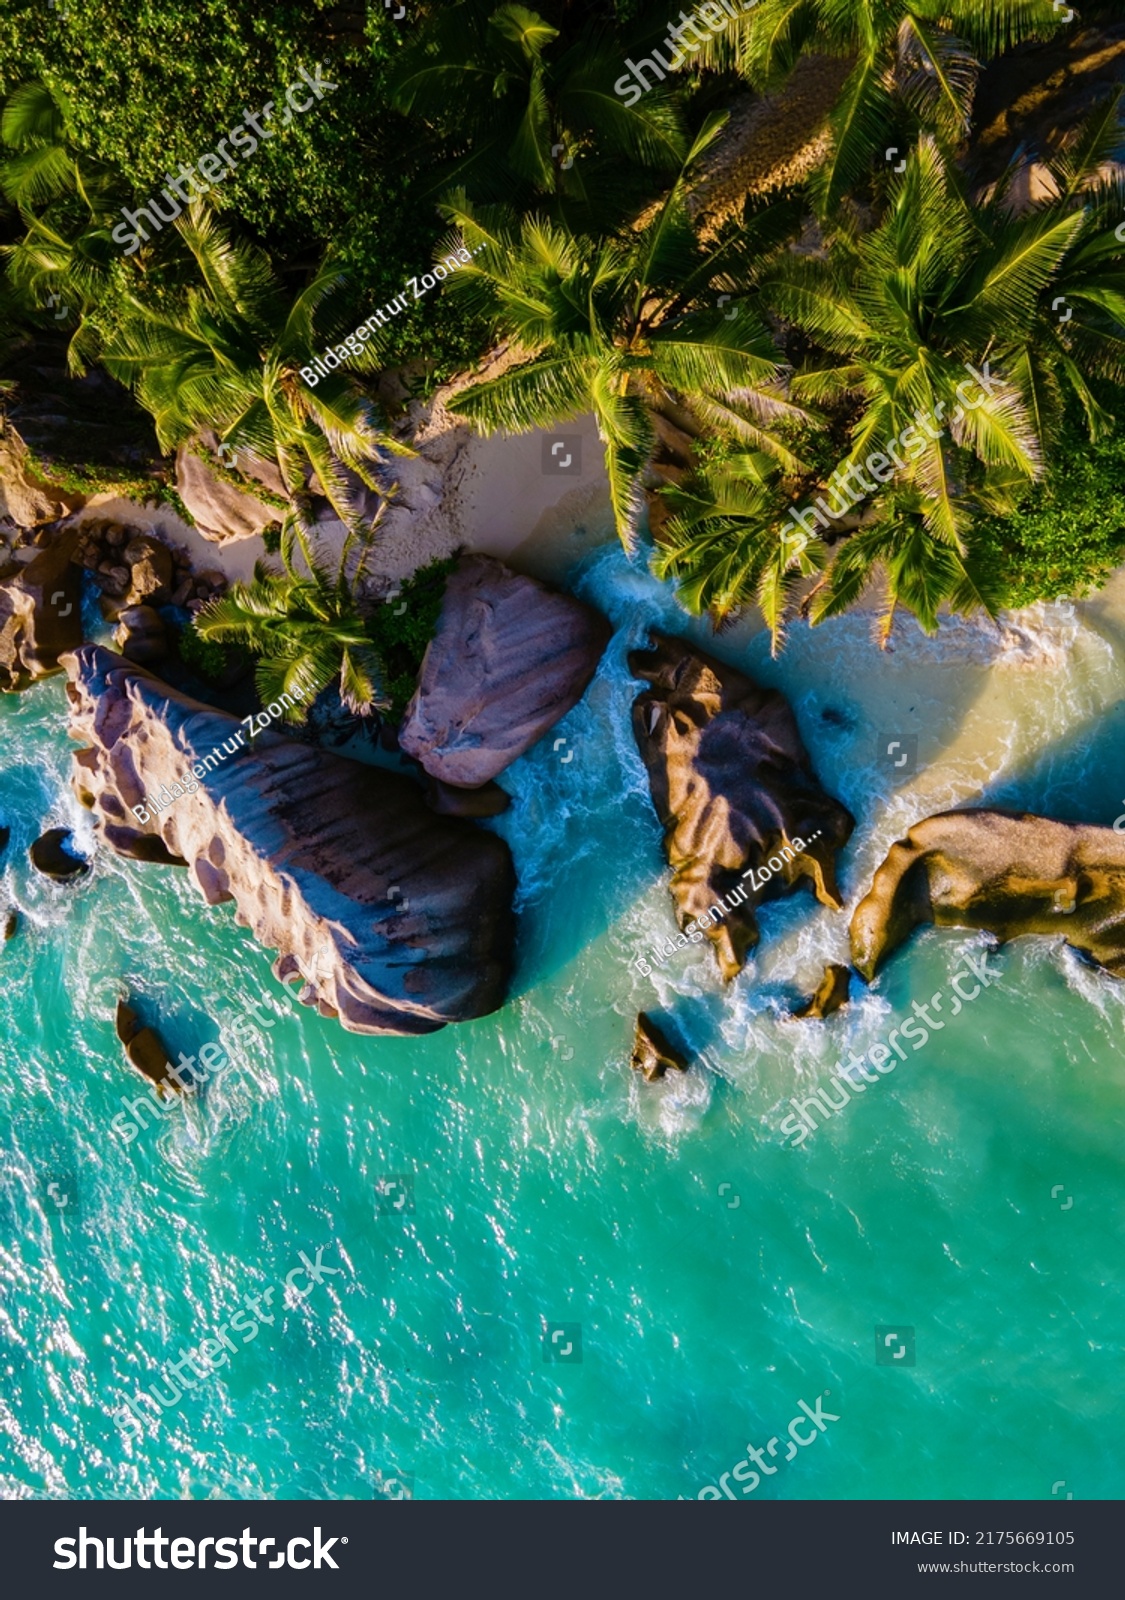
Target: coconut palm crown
{"points": [[226, 354], [631, 327]]}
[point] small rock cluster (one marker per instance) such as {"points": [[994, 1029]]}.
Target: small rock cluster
{"points": [[133, 569]]}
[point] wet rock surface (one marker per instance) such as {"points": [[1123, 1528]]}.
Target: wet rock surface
{"points": [[507, 660], [1005, 872], [831, 994], [653, 1052], [394, 919], [733, 788], [143, 1049], [53, 854]]}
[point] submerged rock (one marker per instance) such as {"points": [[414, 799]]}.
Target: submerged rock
{"points": [[831, 993], [5, 835], [745, 818], [396, 920], [1005, 872], [40, 615], [652, 1052], [51, 856], [11, 923], [508, 659], [144, 1050]]}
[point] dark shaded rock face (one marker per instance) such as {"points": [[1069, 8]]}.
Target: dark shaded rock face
{"points": [[141, 635], [40, 615], [487, 801], [830, 996], [144, 1050], [508, 659], [396, 920], [652, 1052], [733, 789], [51, 855], [1002, 871]]}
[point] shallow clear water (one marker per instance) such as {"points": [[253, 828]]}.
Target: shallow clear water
{"points": [[719, 1275]]}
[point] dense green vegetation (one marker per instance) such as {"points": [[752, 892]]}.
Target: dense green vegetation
{"points": [[403, 626], [737, 372], [1066, 534]]}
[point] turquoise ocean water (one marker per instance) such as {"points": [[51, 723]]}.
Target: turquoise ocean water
{"points": [[718, 1276]]}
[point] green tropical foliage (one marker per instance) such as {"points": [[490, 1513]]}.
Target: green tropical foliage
{"points": [[226, 354], [65, 201], [630, 327], [1067, 533], [535, 111], [895, 320], [306, 629]]}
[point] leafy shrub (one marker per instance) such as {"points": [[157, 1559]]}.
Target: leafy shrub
{"points": [[204, 656], [402, 628], [1068, 533]]}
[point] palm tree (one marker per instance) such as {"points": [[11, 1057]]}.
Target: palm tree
{"points": [[535, 111], [227, 355], [307, 631], [895, 318], [726, 540], [66, 201], [926, 54], [632, 328]]}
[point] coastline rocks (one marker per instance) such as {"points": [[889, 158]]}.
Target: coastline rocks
{"points": [[1005, 872], [40, 615], [734, 790], [151, 570], [487, 801], [508, 659], [140, 635], [25, 497], [652, 1052], [221, 512], [396, 920], [831, 994], [51, 856], [143, 1049]]}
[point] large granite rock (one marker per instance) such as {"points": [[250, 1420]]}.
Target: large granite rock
{"points": [[1003, 871], [734, 791], [508, 659], [26, 498], [40, 614], [396, 920], [221, 511]]}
